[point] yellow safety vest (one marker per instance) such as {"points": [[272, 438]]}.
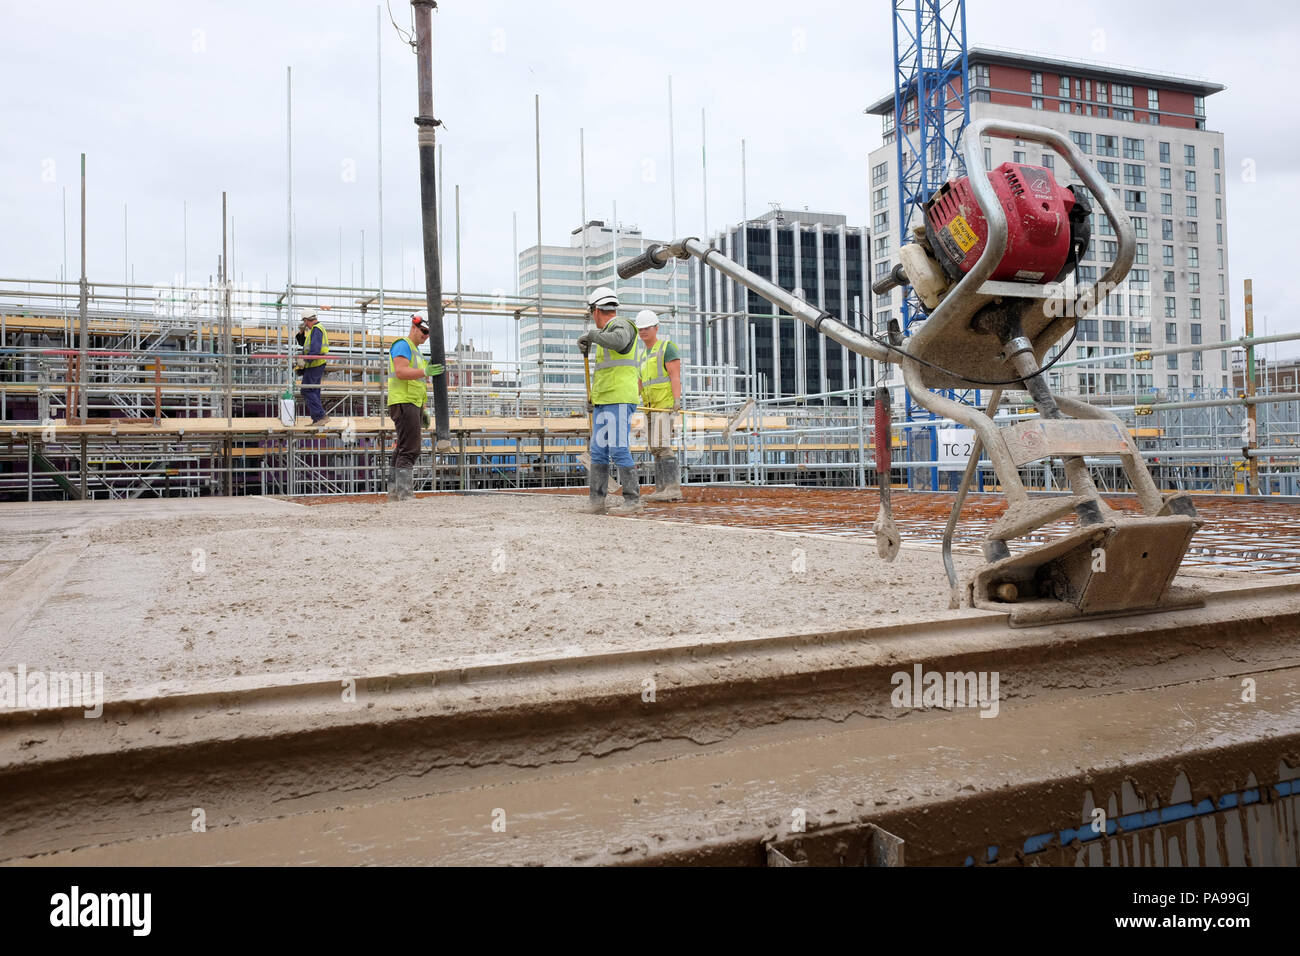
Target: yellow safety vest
{"points": [[324, 344], [410, 391], [656, 386], [615, 379]]}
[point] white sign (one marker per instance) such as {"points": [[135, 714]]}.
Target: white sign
{"points": [[955, 445]]}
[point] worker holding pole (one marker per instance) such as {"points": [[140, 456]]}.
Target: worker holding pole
{"points": [[408, 390], [660, 367], [315, 343], [613, 400]]}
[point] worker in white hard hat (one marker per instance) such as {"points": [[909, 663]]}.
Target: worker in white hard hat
{"points": [[660, 367], [613, 401], [315, 344]]}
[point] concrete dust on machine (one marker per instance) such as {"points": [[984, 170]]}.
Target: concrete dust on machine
{"points": [[989, 265]]}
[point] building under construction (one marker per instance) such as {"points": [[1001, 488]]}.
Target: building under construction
{"points": [[924, 603]]}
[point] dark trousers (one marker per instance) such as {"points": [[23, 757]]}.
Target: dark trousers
{"points": [[406, 419], [313, 377]]}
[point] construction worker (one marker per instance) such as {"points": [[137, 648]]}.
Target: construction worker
{"points": [[315, 343], [408, 375], [660, 367], [613, 400]]}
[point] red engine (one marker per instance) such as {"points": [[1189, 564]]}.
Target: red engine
{"points": [[1047, 225]]}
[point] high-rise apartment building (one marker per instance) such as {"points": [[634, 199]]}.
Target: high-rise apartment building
{"points": [[567, 274], [1146, 134], [818, 257]]}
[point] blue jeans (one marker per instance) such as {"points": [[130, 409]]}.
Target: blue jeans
{"points": [[313, 376], [611, 435]]}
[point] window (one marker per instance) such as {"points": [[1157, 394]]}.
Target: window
{"points": [[1220, 252], [1139, 279], [1153, 119], [1135, 200], [1107, 145], [1171, 361], [1196, 333], [1169, 282], [879, 198], [1190, 178], [1171, 311], [1191, 207], [1198, 107], [1173, 381], [1049, 161], [1140, 257], [1143, 382], [1193, 282], [1189, 155], [979, 75], [1218, 184], [881, 247], [988, 158], [1164, 152], [1218, 209], [1218, 233], [1134, 148], [1036, 102], [1196, 317], [1107, 250], [1167, 257], [1112, 330], [880, 222], [1140, 334], [882, 268], [879, 173], [1166, 178], [1135, 175], [1121, 95], [1063, 106], [1036, 83], [1087, 330], [1103, 227], [1193, 230], [1139, 226], [887, 123], [1216, 157], [1063, 90], [1193, 257], [1087, 383], [1114, 362], [1153, 100], [1171, 333], [1109, 171], [1140, 306], [1196, 367], [1166, 204], [1018, 156], [1126, 115], [1101, 91], [1116, 382], [1082, 140]]}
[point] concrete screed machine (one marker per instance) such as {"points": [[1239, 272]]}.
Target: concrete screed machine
{"points": [[988, 265]]}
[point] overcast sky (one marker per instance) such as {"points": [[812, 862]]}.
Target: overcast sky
{"points": [[175, 102]]}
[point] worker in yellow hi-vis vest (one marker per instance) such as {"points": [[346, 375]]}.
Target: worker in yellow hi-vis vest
{"points": [[660, 367], [408, 375], [613, 400], [315, 342]]}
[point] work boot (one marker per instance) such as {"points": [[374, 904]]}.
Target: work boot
{"points": [[631, 492], [668, 481], [405, 484], [598, 476], [394, 493]]}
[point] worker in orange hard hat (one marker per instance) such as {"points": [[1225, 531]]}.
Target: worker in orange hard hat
{"points": [[408, 375]]}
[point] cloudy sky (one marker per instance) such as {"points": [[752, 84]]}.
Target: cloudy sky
{"points": [[175, 102]]}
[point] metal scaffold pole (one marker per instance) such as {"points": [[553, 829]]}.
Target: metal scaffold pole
{"points": [[427, 138]]}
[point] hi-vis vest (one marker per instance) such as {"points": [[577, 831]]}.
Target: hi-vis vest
{"points": [[614, 382], [411, 391], [656, 387], [324, 344]]}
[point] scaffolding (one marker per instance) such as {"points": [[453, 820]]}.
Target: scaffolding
{"points": [[182, 390]]}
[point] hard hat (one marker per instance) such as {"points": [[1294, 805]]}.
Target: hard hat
{"points": [[308, 315], [646, 319], [603, 298], [418, 321]]}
